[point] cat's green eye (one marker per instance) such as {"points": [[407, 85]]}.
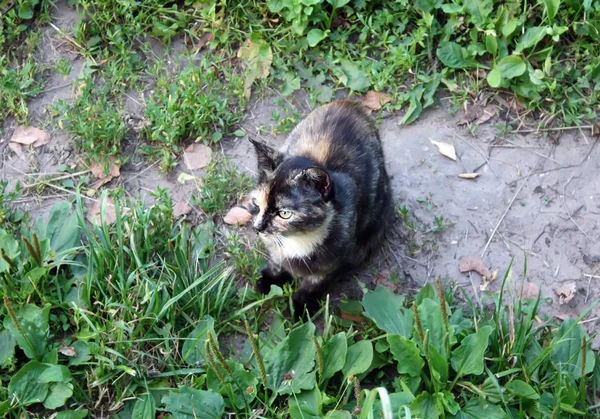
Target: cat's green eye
{"points": [[285, 214]]}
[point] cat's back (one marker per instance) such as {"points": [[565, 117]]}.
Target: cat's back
{"points": [[340, 135]]}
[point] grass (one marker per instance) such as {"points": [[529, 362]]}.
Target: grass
{"points": [[153, 315]]}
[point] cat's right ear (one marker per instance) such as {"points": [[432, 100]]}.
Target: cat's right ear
{"points": [[267, 158]]}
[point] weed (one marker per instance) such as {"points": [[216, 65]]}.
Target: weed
{"points": [[222, 185]]}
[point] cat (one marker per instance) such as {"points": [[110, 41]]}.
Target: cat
{"points": [[323, 203]]}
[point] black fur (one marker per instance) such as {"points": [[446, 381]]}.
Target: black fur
{"points": [[332, 168]]}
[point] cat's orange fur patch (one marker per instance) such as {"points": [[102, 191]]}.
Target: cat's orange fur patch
{"points": [[317, 149]]}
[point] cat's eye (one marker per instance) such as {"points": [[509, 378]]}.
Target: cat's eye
{"points": [[285, 214]]}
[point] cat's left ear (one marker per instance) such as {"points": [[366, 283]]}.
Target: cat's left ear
{"points": [[267, 158], [320, 179]]}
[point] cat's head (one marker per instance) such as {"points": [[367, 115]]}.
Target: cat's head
{"points": [[293, 195]]}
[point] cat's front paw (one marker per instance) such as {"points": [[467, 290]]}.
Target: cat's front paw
{"points": [[304, 301], [263, 286], [267, 278]]}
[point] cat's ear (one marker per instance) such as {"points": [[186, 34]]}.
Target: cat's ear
{"points": [[320, 179], [268, 158]]}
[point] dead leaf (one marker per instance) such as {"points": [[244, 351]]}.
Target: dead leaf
{"points": [[383, 278], [181, 208], [474, 263], [488, 113], [237, 215], [375, 100], [18, 149], [197, 156], [353, 317], [30, 136], [530, 290], [93, 215], [206, 38], [445, 149], [566, 292], [257, 57], [97, 170], [68, 351], [565, 316], [468, 175], [486, 281]]}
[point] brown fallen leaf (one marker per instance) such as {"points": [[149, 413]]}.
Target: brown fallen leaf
{"points": [[383, 278], [206, 38], [468, 175], [18, 149], [93, 215], [97, 170], [353, 317], [68, 351], [445, 149], [566, 292], [488, 113], [530, 290], [197, 156], [181, 208], [474, 263], [375, 100], [30, 136], [237, 215], [486, 281]]}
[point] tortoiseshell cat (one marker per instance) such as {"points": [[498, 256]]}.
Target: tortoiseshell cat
{"points": [[322, 204]]}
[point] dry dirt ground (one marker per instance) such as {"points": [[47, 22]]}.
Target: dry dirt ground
{"points": [[535, 199]]}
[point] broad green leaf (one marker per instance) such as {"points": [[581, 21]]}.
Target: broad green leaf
{"points": [[58, 394], [449, 403], [72, 414], [522, 389], [491, 44], [479, 10], [509, 28], [385, 309], [439, 365], [428, 291], [26, 9], [415, 106], [359, 358], [25, 388], [33, 323], [290, 364], [7, 347], [55, 374], [194, 347], [587, 4], [188, 403], [566, 352], [407, 355], [397, 400], [83, 353], [338, 3], [11, 249], [427, 405], [531, 37], [334, 355], [314, 36], [239, 379], [354, 77], [145, 408], [511, 66], [479, 409], [306, 405], [453, 55], [432, 320], [468, 357], [551, 8], [60, 228], [338, 414], [276, 6], [494, 77], [428, 5]]}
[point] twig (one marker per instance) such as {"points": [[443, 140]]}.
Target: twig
{"points": [[57, 87], [592, 276], [481, 153], [44, 182], [567, 209], [506, 212], [528, 131]]}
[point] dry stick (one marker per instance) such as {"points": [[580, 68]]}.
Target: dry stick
{"points": [[67, 176], [506, 212], [569, 166], [528, 131], [567, 209], [481, 153]]}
